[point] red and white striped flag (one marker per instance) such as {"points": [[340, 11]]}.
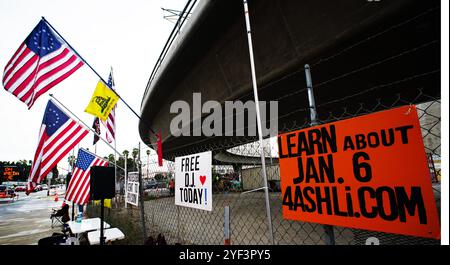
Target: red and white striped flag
{"points": [[41, 62], [58, 135], [80, 183], [110, 123]]}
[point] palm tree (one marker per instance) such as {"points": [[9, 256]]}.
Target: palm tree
{"points": [[111, 158], [71, 159], [135, 154]]}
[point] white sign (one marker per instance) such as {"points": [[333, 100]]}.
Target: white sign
{"points": [[132, 188], [193, 181]]}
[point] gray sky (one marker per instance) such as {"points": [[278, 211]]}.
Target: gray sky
{"points": [[127, 35]]}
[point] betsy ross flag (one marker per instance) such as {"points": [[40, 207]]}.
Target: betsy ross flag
{"points": [[58, 135], [110, 123], [79, 186], [41, 62]]}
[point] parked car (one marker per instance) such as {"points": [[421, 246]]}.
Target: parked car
{"points": [[155, 184], [3, 191], [20, 189], [44, 187], [151, 184], [7, 192]]}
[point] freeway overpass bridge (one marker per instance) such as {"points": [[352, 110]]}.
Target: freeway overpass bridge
{"points": [[359, 51]]}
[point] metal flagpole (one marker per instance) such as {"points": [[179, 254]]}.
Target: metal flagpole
{"points": [[92, 130], [115, 167], [101, 78], [125, 192], [115, 137], [72, 160], [329, 232], [258, 115]]}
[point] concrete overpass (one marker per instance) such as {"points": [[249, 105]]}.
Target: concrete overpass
{"points": [[358, 50]]}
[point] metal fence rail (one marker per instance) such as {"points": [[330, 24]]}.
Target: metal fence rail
{"points": [[232, 183], [231, 186]]}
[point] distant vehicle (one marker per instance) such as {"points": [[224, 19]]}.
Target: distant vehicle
{"points": [[20, 189], [44, 187], [151, 184], [3, 191], [7, 192], [154, 184], [37, 188]]}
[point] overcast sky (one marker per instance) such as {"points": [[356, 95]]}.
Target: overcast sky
{"points": [[127, 35]]}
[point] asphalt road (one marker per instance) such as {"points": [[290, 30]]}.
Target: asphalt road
{"points": [[26, 220]]}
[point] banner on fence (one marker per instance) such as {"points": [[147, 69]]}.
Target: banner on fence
{"points": [[368, 172], [132, 190], [193, 181]]}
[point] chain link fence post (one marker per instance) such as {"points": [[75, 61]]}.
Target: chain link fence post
{"points": [[328, 229], [141, 197]]}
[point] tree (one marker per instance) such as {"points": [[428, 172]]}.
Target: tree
{"points": [[71, 159], [111, 158], [159, 176], [135, 154]]}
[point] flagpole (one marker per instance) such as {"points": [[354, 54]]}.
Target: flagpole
{"points": [[89, 128], [261, 143], [115, 136], [101, 78]]}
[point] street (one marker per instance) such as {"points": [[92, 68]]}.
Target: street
{"points": [[26, 220]]}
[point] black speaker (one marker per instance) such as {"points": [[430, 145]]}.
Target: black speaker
{"points": [[102, 183]]}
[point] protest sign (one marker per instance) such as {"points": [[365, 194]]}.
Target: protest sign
{"points": [[132, 189], [193, 181], [368, 172]]}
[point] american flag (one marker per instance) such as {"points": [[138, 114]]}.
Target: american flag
{"points": [[79, 186], [58, 135], [110, 123], [40, 63]]}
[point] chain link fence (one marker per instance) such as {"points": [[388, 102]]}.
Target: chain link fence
{"points": [[237, 179], [234, 185]]}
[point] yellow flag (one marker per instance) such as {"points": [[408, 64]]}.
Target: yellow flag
{"points": [[106, 203], [102, 102]]}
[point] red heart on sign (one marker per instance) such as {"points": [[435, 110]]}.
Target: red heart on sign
{"points": [[202, 179]]}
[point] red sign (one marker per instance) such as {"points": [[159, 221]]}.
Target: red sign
{"points": [[368, 172]]}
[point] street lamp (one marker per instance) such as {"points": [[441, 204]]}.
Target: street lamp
{"points": [[148, 161]]}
